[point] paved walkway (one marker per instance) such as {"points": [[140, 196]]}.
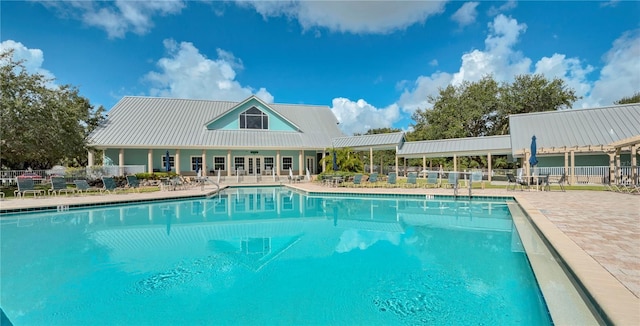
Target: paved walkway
{"points": [[605, 225]]}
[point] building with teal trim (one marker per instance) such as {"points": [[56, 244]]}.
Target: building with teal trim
{"points": [[248, 138]]}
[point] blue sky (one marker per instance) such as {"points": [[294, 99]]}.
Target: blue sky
{"points": [[372, 62]]}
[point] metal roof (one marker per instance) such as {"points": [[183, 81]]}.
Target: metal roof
{"points": [[148, 122], [575, 128], [377, 141], [496, 145]]}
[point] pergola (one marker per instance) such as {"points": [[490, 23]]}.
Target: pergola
{"points": [[390, 141], [474, 146]]}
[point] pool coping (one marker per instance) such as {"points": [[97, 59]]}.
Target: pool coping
{"points": [[614, 302]]}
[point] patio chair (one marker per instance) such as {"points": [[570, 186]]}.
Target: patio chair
{"points": [[109, 185], [357, 180], [432, 180], [58, 185], [82, 186], [373, 179], [412, 180], [452, 180], [391, 179], [560, 182], [26, 186], [133, 183]]}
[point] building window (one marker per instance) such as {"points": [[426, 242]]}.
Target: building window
{"points": [[238, 163], [219, 163], [172, 162], [196, 163], [268, 163], [287, 163], [254, 119]]}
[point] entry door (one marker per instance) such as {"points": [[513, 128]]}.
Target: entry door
{"points": [[255, 165], [311, 164]]}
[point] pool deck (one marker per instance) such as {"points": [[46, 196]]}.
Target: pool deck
{"points": [[597, 233]]}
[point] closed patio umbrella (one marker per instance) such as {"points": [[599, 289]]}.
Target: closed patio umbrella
{"points": [[167, 165], [533, 160]]}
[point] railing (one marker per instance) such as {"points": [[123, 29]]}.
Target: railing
{"points": [[581, 174], [8, 177]]}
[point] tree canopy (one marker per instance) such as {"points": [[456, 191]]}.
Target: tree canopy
{"points": [[42, 124], [635, 98], [482, 108]]}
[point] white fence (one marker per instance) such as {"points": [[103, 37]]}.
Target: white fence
{"points": [[8, 177]]}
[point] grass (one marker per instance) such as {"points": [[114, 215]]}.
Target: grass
{"points": [[8, 192]]}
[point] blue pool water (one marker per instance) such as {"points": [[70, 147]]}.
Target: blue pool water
{"points": [[270, 256]]}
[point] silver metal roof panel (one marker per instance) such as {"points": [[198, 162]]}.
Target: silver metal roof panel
{"points": [[496, 145], [575, 128]]}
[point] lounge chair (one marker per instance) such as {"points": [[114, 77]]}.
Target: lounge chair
{"points": [[432, 180], [412, 180], [58, 185], [357, 180], [391, 179], [82, 186], [452, 180], [512, 182], [109, 185], [133, 183], [26, 186], [373, 179]]}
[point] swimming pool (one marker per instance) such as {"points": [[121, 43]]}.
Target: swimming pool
{"points": [[271, 256]]}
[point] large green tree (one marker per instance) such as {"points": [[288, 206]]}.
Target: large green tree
{"points": [[42, 124], [482, 108]]}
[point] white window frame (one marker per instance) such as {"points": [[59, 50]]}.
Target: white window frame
{"points": [[263, 117], [284, 165], [193, 164], [172, 162], [224, 163], [235, 163]]}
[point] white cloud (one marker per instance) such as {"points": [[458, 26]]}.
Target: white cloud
{"points": [[493, 11], [32, 58], [378, 17], [499, 58], [360, 116], [416, 98], [620, 76], [118, 17], [467, 14], [186, 73], [568, 69]]}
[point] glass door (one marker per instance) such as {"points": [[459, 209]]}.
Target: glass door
{"points": [[254, 165]]}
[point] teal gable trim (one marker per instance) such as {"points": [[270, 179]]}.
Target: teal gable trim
{"points": [[230, 120]]}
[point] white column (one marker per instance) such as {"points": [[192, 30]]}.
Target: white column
{"points": [[634, 164], [121, 161], [302, 164], [490, 167], [566, 165], [204, 162], [396, 160], [150, 160], [370, 159], [455, 163], [90, 158], [177, 161], [573, 167], [424, 163], [618, 165], [278, 162], [229, 163]]}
